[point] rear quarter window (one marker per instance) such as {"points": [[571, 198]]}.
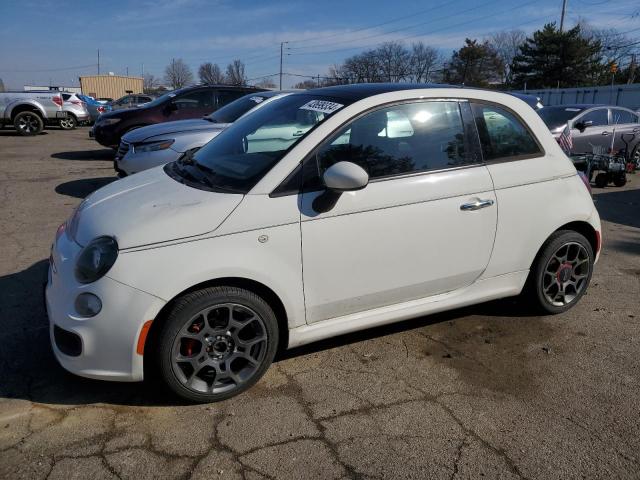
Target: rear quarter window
{"points": [[503, 135]]}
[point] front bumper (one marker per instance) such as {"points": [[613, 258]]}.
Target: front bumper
{"points": [[108, 341], [105, 135], [134, 162]]}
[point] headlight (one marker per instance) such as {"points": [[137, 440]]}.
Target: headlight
{"points": [[152, 146], [96, 259], [109, 121]]}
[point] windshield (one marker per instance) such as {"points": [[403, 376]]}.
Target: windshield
{"points": [[234, 110], [241, 155], [555, 117]]}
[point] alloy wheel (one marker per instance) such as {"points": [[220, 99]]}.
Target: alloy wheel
{"points": [[28, 123], [566, 274], [219, 349], [66, 123]]}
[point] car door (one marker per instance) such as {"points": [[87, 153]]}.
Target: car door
{"points": [[193, 104], [626, 127], [424, 225], [595, 137]]}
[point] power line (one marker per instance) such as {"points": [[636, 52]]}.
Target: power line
{"points": [[77, 67], [419, 34], [409, 27]]}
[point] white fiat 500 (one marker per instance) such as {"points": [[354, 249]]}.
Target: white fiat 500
{"points": [[325, 212]]}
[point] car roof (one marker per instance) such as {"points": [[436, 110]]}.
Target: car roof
{"points": [[582, 106], [358, 91]]}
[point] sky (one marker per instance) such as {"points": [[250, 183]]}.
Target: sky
{"points": [[55, 41]]}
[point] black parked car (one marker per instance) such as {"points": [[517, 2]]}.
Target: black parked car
{"points": [[182, 104]]}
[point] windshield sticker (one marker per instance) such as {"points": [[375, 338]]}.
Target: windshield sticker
{"points": [[321, 106], [256, 99], [572, 110]]}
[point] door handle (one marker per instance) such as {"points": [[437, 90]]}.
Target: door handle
{"points": [[605, 133], [477, 205]]}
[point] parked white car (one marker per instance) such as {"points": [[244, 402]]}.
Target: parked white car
{"points": [[307, 219], [161, 143], [76, 109]]}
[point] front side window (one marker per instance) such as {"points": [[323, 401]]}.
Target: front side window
{"points": [[202, 99], [595, 118], [619, 116], [502, 134], [234, 110], [243, 153], [401, 139]]}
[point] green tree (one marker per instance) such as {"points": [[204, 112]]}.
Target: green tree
{"points": [[476, 64], [551, 58]]}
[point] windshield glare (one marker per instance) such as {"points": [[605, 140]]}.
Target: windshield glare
{"points": [[161, 98], [242, 154], [234, 110], [555, 117]]}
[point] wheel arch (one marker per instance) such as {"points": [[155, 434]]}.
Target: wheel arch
{"points": [[254, 286], [582, 227], [26, 107]]}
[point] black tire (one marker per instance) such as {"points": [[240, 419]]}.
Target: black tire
{"points": [[601, 180], [184, 314], [69, 123], [540, 279], [28, 123], [620, 180]]}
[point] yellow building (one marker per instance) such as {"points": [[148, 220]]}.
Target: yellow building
{"points": [[110, 86]]}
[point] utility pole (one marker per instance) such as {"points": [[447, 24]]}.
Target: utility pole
{"points": [[98, 61], [564, 10], [142, 70], [281, 55], [127, 71]]}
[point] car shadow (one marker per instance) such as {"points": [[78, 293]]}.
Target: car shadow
{"points": [[5, 132], [619, 206], [29, 370], [102, 154], [83, 187]]}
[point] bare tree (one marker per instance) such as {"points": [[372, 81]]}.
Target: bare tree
{"points": [[306, 84], [394, 61], [149, 82], [424, 60], [235, 73], [178, 74], [507, 45], [210, 73], [1, 85], [266, 83]]}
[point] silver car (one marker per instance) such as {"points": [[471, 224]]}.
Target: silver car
{"points": [[154, 145], [595, 128], [76, 111]]}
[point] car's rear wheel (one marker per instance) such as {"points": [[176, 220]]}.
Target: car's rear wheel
{"points": [[28, 123], [216, 343], [561, 273], [68, 123], [620, 180]]}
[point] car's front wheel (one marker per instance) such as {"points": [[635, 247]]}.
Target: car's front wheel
{"points": [[561, 273], [216, 343]]}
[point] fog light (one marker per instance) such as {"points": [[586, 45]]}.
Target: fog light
{"points": [[88, 305]]}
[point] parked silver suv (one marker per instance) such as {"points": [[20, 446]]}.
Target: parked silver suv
{"points": [[76, 111], [29, 112]]}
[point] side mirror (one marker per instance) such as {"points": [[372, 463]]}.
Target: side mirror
{"points": [[582, 126], [171, 107], [345, 177], [338, 178]]}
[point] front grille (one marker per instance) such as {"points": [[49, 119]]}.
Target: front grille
{"points": [[67, 342], [122, 149]]}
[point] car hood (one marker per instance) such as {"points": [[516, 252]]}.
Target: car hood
{"points": [[150, 207], [141, 134]]}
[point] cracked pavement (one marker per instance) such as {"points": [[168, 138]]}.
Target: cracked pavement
{"points": [[481, 392]]}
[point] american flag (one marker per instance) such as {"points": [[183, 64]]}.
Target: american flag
{"points": [[565, 140]]}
